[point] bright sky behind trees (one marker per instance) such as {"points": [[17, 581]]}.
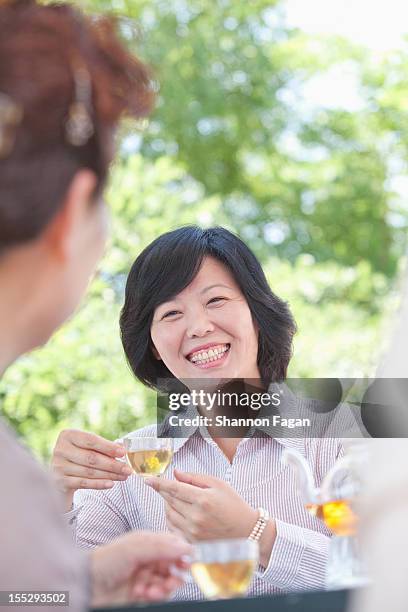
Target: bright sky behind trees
{"points": [[377, 24]]}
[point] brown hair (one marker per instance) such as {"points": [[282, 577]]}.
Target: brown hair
{"points": [[43, 51]]}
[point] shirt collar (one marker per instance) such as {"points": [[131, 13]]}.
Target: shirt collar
{"points": [[181, 435], [288, 406]]}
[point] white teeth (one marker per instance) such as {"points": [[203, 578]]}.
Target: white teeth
{"points": [[213, 354]]}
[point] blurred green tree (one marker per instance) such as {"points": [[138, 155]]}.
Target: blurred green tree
{"points": [[231, 109]]}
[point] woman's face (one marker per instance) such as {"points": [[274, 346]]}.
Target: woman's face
{"points": [[207, 330]]}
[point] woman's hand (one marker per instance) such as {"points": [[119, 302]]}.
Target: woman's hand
{"points": [[201, 507], [137, 566], [83, 460]]}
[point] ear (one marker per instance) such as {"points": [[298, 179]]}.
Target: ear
{"points": [[61, 233], [155, 351]]}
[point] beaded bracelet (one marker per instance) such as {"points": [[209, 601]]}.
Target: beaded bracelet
{"points": [[259, 526]]}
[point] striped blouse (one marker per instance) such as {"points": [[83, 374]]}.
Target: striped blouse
{"points": [[257, 473]]}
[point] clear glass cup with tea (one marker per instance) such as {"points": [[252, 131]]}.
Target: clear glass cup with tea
{"points": [[148, 456], [224, 568]]}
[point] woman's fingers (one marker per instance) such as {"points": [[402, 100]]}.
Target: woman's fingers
{"points": [[96, 461], [176, 522], [68, 449], [182, 491], [91, 441], [75, 483], [83, 460], [182, 507], [156, 591], [155, 582], [177, 532], [73, 469]]}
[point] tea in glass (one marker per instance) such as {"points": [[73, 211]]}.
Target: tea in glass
{"points": [[148, 456], [224, 568], [338, 516]]}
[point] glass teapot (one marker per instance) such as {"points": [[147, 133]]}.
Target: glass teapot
{"points": [[334, 504]]}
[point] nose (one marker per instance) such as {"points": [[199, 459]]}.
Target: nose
{"points": [[199, 325]]}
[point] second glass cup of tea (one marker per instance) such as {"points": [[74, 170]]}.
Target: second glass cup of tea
{"points": [[148, 456], [224, 568]]}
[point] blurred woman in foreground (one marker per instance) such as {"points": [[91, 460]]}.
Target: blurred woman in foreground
{"points": [[65, 82]]}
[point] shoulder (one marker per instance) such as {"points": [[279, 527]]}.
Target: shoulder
{"points": [[329, 415], [17, 465], [32, 508]]}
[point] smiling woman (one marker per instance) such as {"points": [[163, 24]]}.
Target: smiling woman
{"points": [[198, 306]]}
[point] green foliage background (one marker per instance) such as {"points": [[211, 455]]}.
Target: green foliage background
{"points": [[233, 141]]}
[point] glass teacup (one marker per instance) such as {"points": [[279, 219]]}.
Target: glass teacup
{"points": [[224, 568], [148, 456]]}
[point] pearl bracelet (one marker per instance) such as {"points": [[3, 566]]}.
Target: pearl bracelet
{"points": [[260, 525]]}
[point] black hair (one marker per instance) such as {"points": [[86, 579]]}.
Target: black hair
{"points": [[168, 265]]}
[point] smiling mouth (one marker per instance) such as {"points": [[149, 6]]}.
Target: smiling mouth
{"points": [[212, 355]]}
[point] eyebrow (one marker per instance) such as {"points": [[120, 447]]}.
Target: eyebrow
{"points": [[170, 300], [212, 287]]}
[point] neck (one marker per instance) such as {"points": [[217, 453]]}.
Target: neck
{"points": [[228, 437], [23, 324]]}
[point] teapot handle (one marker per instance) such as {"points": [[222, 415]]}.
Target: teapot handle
{"points": [[305, 480]]}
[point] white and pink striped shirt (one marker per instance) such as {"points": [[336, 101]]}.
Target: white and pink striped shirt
{"points": [[257, 473]]}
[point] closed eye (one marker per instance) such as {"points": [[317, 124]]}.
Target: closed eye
{"points": [[216, 300], [170, 314]]}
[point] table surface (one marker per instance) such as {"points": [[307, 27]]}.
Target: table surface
{"points": [[333, 601]]}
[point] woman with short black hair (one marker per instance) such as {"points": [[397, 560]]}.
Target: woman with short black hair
{"points": [[168, 265], [198, 310]]}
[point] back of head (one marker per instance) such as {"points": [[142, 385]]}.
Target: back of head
{"points": [[65, 82]]}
